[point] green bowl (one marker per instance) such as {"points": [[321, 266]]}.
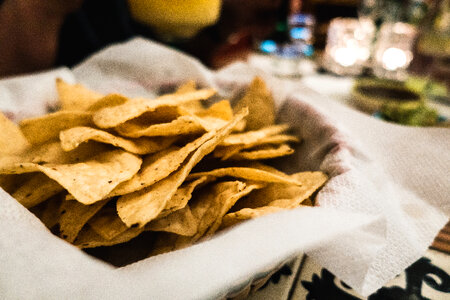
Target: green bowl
{"points": [[371, 95]]}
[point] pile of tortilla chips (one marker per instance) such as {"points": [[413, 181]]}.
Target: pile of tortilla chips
{"points": [[106, 169]]}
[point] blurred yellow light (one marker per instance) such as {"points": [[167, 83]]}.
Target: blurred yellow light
{"points": [[176, 18], [346, 56], [394, 58]]}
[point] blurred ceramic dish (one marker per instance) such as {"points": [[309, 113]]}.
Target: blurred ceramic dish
{"points": [[371, 95]]}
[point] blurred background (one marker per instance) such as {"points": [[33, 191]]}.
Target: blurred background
{"points": [[388, 58]]}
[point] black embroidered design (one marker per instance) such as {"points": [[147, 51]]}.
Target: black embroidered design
{"points": [[416, 274], [275, 278], [324, 288]]}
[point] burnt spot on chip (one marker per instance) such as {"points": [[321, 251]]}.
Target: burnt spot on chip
{"points": [[134, 225]]}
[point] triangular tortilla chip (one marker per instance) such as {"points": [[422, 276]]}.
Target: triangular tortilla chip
{"points": [[75, 97], [46, 128], [145, 205], [113, 116], [73, 137]]}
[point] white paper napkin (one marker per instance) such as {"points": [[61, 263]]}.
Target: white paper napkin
{"points": [[385, 202]]}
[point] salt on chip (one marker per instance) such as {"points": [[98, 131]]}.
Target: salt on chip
{"points": [[74, 215], [41, 129], [145, 205], [113, 116], [75, 97], [73, 137], [247, 173], [260, 104], [36, 190], [12, 140]]}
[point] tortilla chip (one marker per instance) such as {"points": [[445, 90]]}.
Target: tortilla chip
{"points": [[311, 181], [12, 140], [48, 211], [145, 205], [107, 223], [75, 97], [36, 190], [227, 151], [182, 196], [73, 216], [181, 125], [73, 137], [260, 104], [265, 152], [225, 205], [93, 180], [113, 116], [246, 214], [41, 129], [181, 222], [158, 166], [88, 238], [252, 137], [249, 174], [220, 110], [107, 101]]}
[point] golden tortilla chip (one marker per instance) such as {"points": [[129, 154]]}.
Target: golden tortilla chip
{"points": [[158, 166], [41, 129], [247, 173], [107, 101], [113, 116], [88, 238], [107, 223], [73, 216], [48, 211], [208, 209], [265, 152], [93, 180], [260, 104], [181, 222], [311, 181], [36, 190], [227, 151], [75, 97], [179, 126], [252, 137], [12, 140], [182, 196], [73, 137], [247, 213], [145, 205], [220, 110]]}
